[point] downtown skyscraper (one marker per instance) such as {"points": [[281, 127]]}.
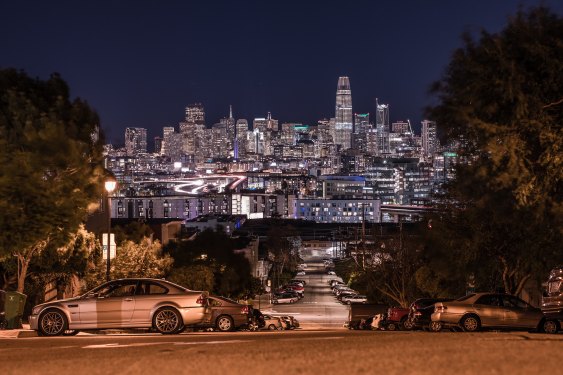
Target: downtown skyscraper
{"points": [[343, 126], [135, 140]]}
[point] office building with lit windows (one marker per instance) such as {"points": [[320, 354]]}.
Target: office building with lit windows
{"points": [[135, 140], [343, 126]]}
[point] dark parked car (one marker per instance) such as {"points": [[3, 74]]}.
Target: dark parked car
{"points": [[421, 311], [257, 320], [227, 315]]}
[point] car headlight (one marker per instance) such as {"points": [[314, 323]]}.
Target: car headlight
{"points": [[36, 310]]}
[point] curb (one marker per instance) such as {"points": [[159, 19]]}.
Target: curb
{"points": [[17, 333]]}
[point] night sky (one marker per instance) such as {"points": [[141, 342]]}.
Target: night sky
{"points": [[139, 63]]}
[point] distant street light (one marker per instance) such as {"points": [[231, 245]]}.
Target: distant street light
{"points": [[110, 187]]}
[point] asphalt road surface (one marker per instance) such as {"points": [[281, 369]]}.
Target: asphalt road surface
{"points": [[286, 352]]}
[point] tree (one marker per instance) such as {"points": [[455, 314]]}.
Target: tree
{"points": [[394, 262], [196, 277], [502, 95], [50, 166], [144, 259], [68, 264], [140, 260], [212, 252], [134, 231]]}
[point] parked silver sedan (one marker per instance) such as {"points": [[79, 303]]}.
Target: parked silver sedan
{"points": [[125, 303], [477, 310]]}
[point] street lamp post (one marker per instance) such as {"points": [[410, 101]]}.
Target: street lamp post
{"points": [[110, 187]]}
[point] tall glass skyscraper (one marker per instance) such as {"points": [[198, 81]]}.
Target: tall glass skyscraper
{"points": [[343, 116]]}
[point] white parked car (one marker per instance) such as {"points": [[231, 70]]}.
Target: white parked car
{"points": [[284, 298], [272, 323], [301, 273], [354, 298], [331, 273]]}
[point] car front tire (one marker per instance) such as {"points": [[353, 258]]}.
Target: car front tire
{"points": [[551, 326], [470, 323], [167, 321], [52, 323]]}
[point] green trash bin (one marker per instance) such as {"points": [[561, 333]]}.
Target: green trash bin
{"points": [[13, 309]]}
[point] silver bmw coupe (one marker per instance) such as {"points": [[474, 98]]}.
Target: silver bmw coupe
{"points": [[125, 303]]}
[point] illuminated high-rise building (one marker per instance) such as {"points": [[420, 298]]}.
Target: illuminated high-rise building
{"points": [[361, 126], [430, 143], [240, 139], [195, 114], [157, 144], [166, 140], [401, 127], [135, 140], [382, 128], [343, 126], [230, 124], [265, 124]]}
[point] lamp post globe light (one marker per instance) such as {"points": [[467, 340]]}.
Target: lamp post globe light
{"points": [[109, 185]]}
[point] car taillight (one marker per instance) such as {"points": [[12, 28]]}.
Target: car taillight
{"points": [[201, 300], [244, 310], [440, 309]]}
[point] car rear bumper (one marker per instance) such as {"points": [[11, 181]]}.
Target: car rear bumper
{"points": [[445, 318]]}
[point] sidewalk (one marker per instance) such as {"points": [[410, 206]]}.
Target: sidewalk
{"points": [[17, 333]]}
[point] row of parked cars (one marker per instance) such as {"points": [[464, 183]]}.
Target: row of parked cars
{"points": [[291, 292], [345, 294], [154, 304], [470, 313]]}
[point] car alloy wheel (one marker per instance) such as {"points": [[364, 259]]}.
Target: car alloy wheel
{"points": [[52, 323], [550, 326], [470, 323], [272, 327], [225, 323], [391, 327], [408, 324], [167, 321], [436, 326]]}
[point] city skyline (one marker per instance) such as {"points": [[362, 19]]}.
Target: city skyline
{"points": [[140, 65]]}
